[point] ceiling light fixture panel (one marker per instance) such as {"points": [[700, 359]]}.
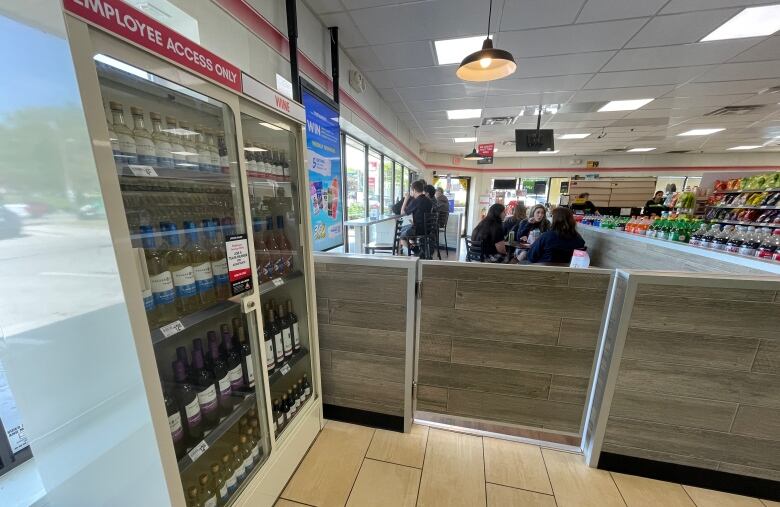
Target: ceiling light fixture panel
{"points": [[745, 147], [751, 22], [455, 50], [464, 139], [701, 132], [640, 150], [575, 136], [624, 105], [270, 125], [463, 114]]}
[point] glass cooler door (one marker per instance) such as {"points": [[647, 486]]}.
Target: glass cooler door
{"points": [[176, 159], [271, 152]]}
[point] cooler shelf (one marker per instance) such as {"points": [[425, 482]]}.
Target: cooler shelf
{"points": [[270, 285], [164, 332], [288, 365], [735, 222]]}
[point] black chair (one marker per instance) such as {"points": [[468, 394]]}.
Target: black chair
{"points": [[428, 242], [393, 248], [474, 250], [444, 217]]}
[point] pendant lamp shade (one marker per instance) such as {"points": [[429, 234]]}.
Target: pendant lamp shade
{"points": [[487, 64], [474, 155]]}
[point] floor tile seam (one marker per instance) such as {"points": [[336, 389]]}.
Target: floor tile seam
{"points": [[547, 473], [422, 470], [393, 463], [612, 478], [520, 489], [484, 467], [360, 468]]}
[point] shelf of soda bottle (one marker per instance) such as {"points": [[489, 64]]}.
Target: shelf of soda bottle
{"points": [[290, 404], [238, 454]]}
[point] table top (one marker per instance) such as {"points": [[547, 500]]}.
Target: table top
{"points": [[518, 244], [364, 222]]}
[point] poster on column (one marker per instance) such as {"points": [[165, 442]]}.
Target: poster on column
{"points": [[323, 156]]}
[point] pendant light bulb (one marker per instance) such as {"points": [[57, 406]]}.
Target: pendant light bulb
{"points": [[489, 63]]}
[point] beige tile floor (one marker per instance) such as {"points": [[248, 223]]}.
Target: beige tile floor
{"points": [[355, 466]]}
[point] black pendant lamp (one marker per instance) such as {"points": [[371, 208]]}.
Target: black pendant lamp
{"points": [[474, 155], [487, 64]]}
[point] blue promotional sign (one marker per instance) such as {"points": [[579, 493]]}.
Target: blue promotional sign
{"points": [[323, 152]]}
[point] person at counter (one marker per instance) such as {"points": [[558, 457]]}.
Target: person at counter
{"points": [[583, 203], [519, 214], [491, 234], [655, 206], [416, 205], [558, 244]]}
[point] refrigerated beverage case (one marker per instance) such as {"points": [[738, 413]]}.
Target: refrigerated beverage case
{"points": [[204, 155], [224, 161], [229, 474], [265, 268], [278, 417], [175, 425], [218, 256], [233, 360], [201, 265], [160, 280], [286, 327], [292, 401], [268, 339], [188, 400], [218, 483], [293, 319], [273, 247], [143, 138], [257, 451], [284, 244], [113, 139], [207, 496], [193, 497], [124, 136], [221, 375], [276, 329], [249, 157], [246, 357], [206, 390], [162, 144], [246, 453], [180, 265], [213, 151], [238, 464], [306, 386], [177, 148], [190, 148]]}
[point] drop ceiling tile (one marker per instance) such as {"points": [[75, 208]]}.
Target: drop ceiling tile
{"points": [[740, 71], [604, 10], [520, 15], [364, 58], [708, 101], [322, 6], [349, 34], [698, 5], [559, 65], [680, 28], [445, 104], [405, 55], [675, 75], [611, 115], [527, 99], [764, 98], [765, 50], [451, 91], [433, 19], [682, 55], [570, 39], [538, 84], [404, 78], [637, 92], [361, 4], [722, 88], [381, 79]]}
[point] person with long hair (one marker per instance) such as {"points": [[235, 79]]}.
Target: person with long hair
{"points": [[537, 220], [557, 244], [519, 214], [491, 234]]}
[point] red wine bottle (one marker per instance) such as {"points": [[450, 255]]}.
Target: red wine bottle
{"points": [[233, 360], [222, 380], [206, 390], [175, 425], [245, 351], [188, 401]]}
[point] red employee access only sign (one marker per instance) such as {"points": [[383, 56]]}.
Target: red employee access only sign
{"points": [[133, 25]]}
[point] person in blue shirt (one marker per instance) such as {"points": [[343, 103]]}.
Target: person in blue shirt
{"points": [[557, 244]]}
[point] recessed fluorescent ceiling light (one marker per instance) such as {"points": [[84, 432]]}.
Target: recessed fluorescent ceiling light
{"points": [[636, 150], [700, 132], [270, 126], [574, 136], [464, 139], [462, 114], [624, 105], [553, 152], [744, 147], [751, 22], [455, 50]]}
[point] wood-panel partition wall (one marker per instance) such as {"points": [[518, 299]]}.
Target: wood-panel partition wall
{"points": [[365, 314], [698, 377], [511, 345]]}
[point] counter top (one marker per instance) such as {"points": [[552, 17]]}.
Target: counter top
{"points": [[614, 249]]}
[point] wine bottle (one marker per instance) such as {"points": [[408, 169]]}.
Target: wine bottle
{"points": [[278, 417], [293, 319], [284, 245], [211, 337], [207, 391], [293, 401], [208, 497], [193, 497], [181, 355], [222, 379], [175, 425], [197, 344], [246, 357], [246, 453], [201, 265], [265, 268], [233, 360], [218, 484], [286, 327], [238, 464], [286, 409], [268, 339], [257, 451], [219, 267], [229, 474], [188, 400], [270, 243], [306, 386], [180, 264], [160, 280]]}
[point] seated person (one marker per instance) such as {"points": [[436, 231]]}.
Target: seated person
{"points": [[491, 234], [557, 244], [416, 205], [519, 214], [538, 220], [584, 205]]}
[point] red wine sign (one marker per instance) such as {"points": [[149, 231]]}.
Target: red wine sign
{"points": [[124, 21]]}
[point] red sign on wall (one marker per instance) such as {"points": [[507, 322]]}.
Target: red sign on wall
{"points": [[486, 152], [119, 18]]}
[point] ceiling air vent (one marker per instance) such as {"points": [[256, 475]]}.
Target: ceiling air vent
{"points": [[679, 151], [499, 120], [734, 110]]}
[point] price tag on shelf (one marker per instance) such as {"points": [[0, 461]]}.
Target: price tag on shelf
{"points": [[277, 282], [197, 451], [143, 170], [172, 328], [285, 369]]}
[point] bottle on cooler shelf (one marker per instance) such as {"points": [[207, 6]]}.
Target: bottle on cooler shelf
{"points": [[233, 359], [143, 138], [193, 497], [769, 247], [207, 497], [294, 400], [285, 249], [180, 265], [750, 242], [163, 295], [254, 425], [306, 386], [175, 425], [293, 319], [188, 400], [276, 329], [124, 136], [268, 338], [112, 138], [285, 166], [246, 357], [253, 445], [229, 474], [162, 143], [206, 390], [218, 483], [722, 239], [265, 267], [246, 453], [221, 375], [285, 407], [278, 417], [224, 161], [249, 158], [177, 148], [204, 154], [211, 143], [263, 167], [286, 326], [218, 257], [708, 240], [188, 141], [238, 463], [201, 265], [270, 242]]}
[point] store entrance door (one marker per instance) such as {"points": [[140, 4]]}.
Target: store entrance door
{"points": [[456, 188]]}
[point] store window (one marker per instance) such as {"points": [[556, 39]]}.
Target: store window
{"points": [[533, 191], [355, 161], [374, 184], [398, 181], [388, 199]]}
